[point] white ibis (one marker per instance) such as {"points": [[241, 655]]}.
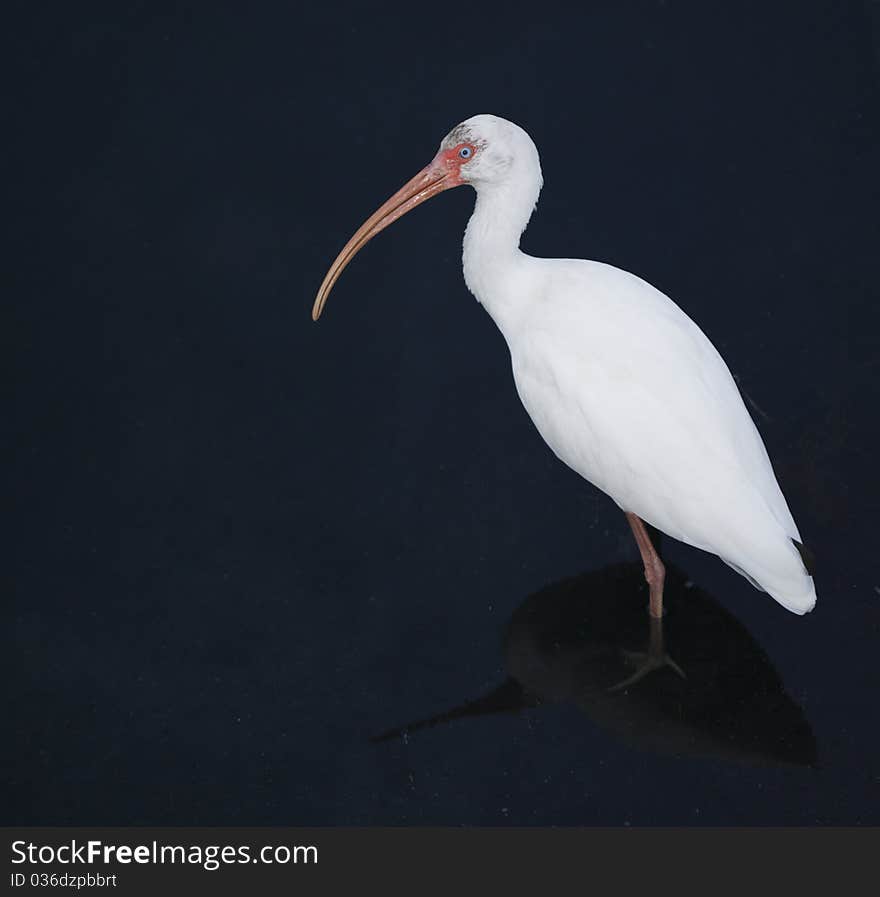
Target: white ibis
{"points": [[620, 382]]}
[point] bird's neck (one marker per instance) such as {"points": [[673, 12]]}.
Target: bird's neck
{"points": [[491, 255]]}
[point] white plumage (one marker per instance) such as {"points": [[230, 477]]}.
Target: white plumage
{"points": [[619, 381]]}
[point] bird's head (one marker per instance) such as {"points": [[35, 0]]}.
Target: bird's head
{"points": [[485, 151]]}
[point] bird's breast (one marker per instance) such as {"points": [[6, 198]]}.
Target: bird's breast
{"points": [[558, 399]]}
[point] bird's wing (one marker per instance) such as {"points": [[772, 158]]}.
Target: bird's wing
{"points": [[629, 392]]}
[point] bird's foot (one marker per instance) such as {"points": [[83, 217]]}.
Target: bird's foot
{"points": [[646, 662]]}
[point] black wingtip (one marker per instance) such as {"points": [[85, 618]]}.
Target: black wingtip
{"points": [[807, 556]]}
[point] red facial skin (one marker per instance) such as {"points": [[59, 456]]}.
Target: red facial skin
{"points": [[452, 161]]}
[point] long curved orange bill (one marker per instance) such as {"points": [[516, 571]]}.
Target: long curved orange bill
{"points": [[430, 181]]}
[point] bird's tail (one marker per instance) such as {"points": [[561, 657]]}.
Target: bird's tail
{"points": [[800, 602], [789, 579]]}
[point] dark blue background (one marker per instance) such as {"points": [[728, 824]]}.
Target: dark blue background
{"points": [[243, 544]]}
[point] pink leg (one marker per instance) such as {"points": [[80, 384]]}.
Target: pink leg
{"points": [[655, 657], [655, 572]]}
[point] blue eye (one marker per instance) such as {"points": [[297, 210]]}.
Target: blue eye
{"points": [[465, 152]]}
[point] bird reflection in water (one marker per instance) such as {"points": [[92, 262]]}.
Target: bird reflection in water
{"points": [[695, 682]]}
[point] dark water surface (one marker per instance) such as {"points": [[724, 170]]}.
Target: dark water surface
{"points": [[265, 571]]}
